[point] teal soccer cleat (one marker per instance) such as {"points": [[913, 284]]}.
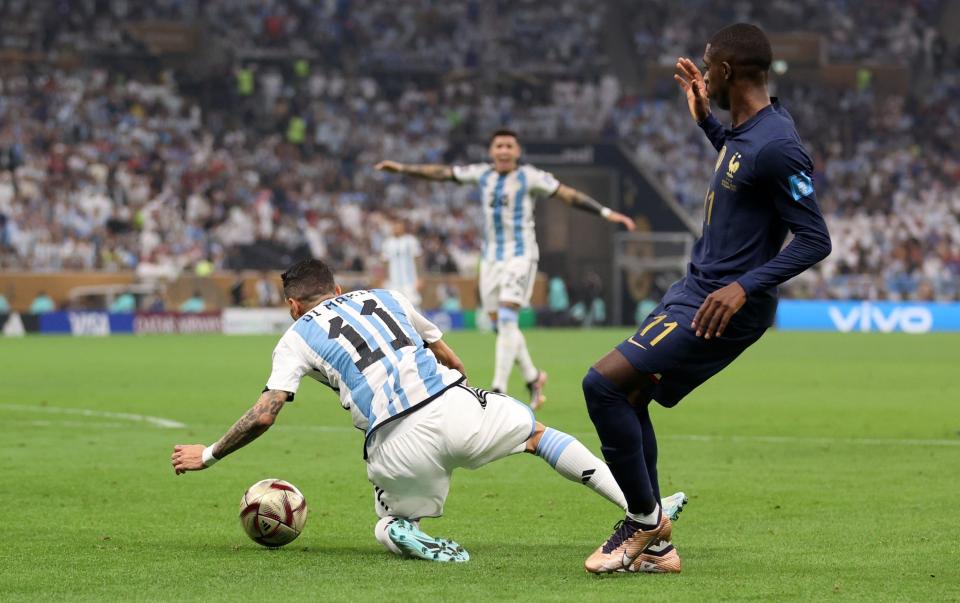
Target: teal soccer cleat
{"points": [[415, 543], [673, 504]]}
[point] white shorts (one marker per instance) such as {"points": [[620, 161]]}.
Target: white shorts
{"points": [[410, 462], [509, 281]]}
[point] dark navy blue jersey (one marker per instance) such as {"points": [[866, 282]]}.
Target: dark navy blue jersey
{"points": [[762, 187]]}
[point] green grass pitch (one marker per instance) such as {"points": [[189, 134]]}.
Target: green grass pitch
{"points": [[820, 467]]}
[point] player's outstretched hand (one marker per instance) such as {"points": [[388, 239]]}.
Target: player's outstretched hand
{"points": [[619, 218], [717, 310], [389, 166], [187, 457], [691, 81]]}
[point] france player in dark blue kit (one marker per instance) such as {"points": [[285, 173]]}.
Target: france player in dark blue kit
{"points": [[762, 187]]}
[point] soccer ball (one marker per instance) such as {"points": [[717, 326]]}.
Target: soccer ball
{"points": [[273, 512]]}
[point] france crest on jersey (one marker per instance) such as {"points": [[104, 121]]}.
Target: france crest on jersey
{"points": [[369, 347], [508, 203]]}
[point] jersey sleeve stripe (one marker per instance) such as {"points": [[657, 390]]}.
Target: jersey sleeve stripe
{"points": [[518, 214], [498, 215]]}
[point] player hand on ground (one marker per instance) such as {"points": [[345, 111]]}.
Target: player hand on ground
{"points": [[619, 218], [691, 81], [717, 310], [187, 457], [389, 166]]}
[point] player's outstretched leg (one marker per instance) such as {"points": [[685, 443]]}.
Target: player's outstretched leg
{"points": [[574, 461], [508, 337], [405, 538]]}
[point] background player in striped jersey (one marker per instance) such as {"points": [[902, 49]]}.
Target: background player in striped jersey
{"points": [[508, 269], [406, 390], [401, 251]]}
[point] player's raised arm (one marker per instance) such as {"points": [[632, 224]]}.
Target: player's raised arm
{"points": [[256, 421], [698, 101], [585, 202], [426, 171]]}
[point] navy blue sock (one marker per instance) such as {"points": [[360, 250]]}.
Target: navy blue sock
{"points": [[621, 439], [649, 447]]}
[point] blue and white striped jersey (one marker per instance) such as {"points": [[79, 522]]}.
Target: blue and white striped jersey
{"points": [[508, 204], [401, 254], [369, 347]]}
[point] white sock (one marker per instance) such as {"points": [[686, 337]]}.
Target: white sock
{"points": [[507, 333], [380, 532], [650, 519], [527, 368], [574, 461]]}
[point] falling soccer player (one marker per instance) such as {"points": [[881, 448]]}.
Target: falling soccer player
{"points": [[406, 390]]}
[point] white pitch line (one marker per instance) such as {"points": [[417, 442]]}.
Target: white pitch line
{"points": [[816, 440], [67, 423], [85, 412], [170, 423], [804, 440]]}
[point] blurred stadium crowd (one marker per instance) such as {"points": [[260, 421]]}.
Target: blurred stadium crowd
{"points": [[113, 169]]}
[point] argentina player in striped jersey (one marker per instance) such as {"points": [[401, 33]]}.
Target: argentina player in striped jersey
{"points": [[401, 251], [406, 391], [509, 191]]}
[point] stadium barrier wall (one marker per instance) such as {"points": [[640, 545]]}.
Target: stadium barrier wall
{"points": [[255, 321], [110, 323], [792, 315], [20, 288], [868, 316]]}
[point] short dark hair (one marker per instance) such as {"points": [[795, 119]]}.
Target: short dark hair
{"points": [[307, 279], [743, 45], [504, 132]]}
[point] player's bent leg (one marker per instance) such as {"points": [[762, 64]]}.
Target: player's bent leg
{"points": [[621, 435], [574, 461], [405, 538], [620, 432]]}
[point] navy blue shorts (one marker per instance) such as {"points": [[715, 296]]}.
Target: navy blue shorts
{"points": [[668, 349]]}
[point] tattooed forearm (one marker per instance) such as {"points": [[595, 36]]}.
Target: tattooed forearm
{"points": [[579, 200], [252, 424], [429, 171]]}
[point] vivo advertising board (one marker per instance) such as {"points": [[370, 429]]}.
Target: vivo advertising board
{"points": [[868, 316]]}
